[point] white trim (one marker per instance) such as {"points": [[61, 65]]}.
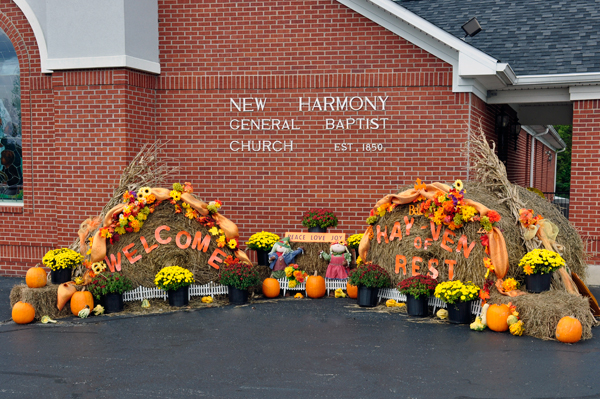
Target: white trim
{"points": [[37, 32], [549, 129], [558, 79], [114, 61], [529, 96], [18, 204], [584, 92]]}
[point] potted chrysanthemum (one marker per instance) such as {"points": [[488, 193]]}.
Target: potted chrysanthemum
{"points": [[417, 289], [262, 243], [538, 266], [318, 220], [108, 288], [176, 281], [61, 263], [459, 297], [238, 276], [369, 278]]}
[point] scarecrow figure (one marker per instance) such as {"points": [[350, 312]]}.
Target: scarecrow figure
{"points": [[282, 254], [339, 258]]}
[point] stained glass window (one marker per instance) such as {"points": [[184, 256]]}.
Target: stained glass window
{"points": [[11, 162]]}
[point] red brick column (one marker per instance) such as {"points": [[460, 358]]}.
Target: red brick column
{"points": [[584, 211]]}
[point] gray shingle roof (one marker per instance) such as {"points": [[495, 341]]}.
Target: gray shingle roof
{"points": [[536, 37]]}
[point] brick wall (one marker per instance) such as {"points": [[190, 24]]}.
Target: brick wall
{"points": [[87, 125], [585, 173]]}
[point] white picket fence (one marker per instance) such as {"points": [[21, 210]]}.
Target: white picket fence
{"points": [[330, 284], [436, 303], [212, 289], [141, 293]]}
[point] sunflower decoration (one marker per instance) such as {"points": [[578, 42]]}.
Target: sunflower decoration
{"points": [[459, 186], [143, 192], [98, 267]]}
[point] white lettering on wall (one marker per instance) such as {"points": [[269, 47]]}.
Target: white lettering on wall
{"points": [[261, 146]]}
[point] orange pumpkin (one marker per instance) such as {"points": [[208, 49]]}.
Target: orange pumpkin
{"points": [[79, 300], [496, 317], [352, 290], [36, 277], [270, 288], [23, 313], [568, 330], [315, 286]]}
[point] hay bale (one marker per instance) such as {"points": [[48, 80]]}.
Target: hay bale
{"points": [[541, 312], [42, 299], [472, 269], [309, 261], [142, 272]]}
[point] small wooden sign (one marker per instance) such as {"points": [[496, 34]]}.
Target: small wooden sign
{"points": [[315, 237]]}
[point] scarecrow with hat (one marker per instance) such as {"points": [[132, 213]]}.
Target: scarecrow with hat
{"points": [[282, 254], [339, 258]]}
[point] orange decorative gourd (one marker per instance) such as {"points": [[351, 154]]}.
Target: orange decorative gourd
{"points": [[270, 288], [352, 290], [23, 313], [315, 286], [64, 293], [80, 299], [568, 330], [496, 317], [36, 277]]}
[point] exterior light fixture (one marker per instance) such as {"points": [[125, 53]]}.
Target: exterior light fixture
{"points": [[471, 28]]}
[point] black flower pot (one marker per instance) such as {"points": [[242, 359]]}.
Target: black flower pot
{"points": [[367, 296], [537, 283], [317, 229], [237, 297], [460, 313], [112, 303], [417, 306], [179, 297], [60, 276], [262, 257]]}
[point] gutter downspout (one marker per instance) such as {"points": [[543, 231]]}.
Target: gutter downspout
{"points": [[533, 137], [556, 164]]}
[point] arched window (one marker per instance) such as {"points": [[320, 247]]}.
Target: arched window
{"points": [[11, 163]]}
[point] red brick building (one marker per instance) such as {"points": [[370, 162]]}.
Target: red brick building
{"points": [[273, 107]]}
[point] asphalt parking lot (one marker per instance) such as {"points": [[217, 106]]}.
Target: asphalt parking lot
{"points": [[324, 348]]}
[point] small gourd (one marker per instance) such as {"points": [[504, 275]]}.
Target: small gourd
{"points": [[145, 304], [477, 325], [207, 299], [442, 314], [516, 328], [298, 296], [85, 312], [98, 310], [47, 319], [512, 319], [339, 293], [390, 303], [484, 314]]}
